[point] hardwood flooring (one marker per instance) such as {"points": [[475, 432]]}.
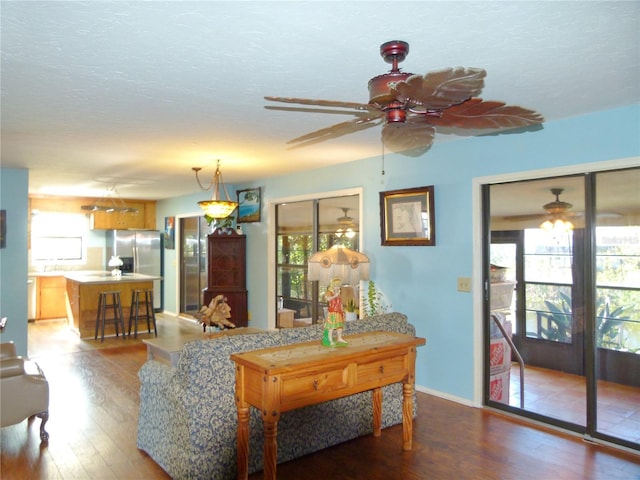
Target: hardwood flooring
{"points": [[94, 412]]}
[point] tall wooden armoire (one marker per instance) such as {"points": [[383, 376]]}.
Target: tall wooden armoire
{"points": [[226, 257]]}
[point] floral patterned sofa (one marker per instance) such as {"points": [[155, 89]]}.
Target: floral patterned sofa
{"points": [[187, 421]]}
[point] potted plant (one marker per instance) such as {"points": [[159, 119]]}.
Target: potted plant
{"points": [[351, 311], [224, 225], [373, 302]]}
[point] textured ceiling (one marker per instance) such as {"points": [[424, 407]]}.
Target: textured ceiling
{"points": [[136, 93]]}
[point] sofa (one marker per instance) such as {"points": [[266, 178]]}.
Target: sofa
{"points": [[188, 418]]}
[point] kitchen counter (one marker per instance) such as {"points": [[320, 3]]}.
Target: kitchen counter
{"points": [[83, 289], [107, 278]]}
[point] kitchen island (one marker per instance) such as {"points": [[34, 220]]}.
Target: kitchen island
{"points": [[83, 289]]}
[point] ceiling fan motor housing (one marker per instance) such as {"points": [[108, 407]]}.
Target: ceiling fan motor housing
{"points": [[392, 52], [557, 206], [380, 86]]}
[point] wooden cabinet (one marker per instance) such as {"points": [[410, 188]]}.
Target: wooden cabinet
{"points": [[226, 257], [144, 219], [124, 221], [51, 300]]}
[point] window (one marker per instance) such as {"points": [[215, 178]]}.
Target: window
{"points": [[548, 279], [618, 288], [58, 239]]}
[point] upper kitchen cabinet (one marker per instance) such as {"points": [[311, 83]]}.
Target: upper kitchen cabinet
{"points": [[144, 219]]}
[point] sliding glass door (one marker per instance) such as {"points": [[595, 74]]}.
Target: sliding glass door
{"points": [[616, 309], [563, 310]]}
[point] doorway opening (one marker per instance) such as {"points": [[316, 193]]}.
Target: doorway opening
{"points": [[193, 264]]}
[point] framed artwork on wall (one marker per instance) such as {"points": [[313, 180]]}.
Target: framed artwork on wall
{"points": [[3, 228], [249, 205], [407, 217], [170, 233]]}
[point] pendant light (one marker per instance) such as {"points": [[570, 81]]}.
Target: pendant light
{"points": [[216, 208], [110, 203]]}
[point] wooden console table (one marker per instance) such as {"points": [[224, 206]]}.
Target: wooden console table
{"points": [[276, 380]]}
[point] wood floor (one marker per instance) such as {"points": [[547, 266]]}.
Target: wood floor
{"points": [[94, 412]]}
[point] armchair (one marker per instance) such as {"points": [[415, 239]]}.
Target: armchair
{"points": [[24, 390]]}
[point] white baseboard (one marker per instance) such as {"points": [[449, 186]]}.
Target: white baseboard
{"points": [[446, 396]]}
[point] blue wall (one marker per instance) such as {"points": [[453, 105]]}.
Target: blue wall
{"points": [[421, 281], [14, 198]]}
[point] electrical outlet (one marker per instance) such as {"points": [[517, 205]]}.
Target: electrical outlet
{"points": [[464, 284]]}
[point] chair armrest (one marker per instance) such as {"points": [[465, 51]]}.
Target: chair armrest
{"points": [[11, 367], [8, 350]]}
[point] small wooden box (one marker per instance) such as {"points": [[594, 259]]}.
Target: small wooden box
{"points": [[285, 318]]}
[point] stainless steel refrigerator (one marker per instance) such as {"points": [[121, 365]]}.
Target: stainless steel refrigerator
{"points": [[141, 252]]}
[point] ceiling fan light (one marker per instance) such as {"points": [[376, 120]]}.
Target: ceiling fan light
{"points": [[557, 225]]}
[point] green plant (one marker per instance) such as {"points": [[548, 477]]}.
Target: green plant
{"points": [[351, 306], [610, 323], [224, 224], [373, 303], [559, 327]]}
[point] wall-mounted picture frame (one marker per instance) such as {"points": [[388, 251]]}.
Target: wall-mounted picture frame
{"points": [[249, 205], [407, 217], [3, 228], [170, 233]]}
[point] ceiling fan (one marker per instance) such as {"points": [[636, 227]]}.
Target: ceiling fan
{"points": [[554, 209], [412, 108], [346, 225]]}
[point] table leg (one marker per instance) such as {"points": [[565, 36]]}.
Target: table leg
{"points": [[377, 411], [243, 443], [407, 416], [270, 453]]}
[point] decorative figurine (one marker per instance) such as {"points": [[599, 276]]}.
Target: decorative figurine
{"points": [[335, 316], [216, 313]]}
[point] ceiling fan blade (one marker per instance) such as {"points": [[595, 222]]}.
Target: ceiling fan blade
{"points": [[409, 138], [312, 110], [442, 88], [323, 103], [480, 114], [338, 130]]}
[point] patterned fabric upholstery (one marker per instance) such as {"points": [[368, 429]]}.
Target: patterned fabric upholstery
{"points": [[188, 418]]}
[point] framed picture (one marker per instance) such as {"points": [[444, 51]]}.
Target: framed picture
{"points": [[249, 205], [3, 228], [407, 217], [170, 233]]}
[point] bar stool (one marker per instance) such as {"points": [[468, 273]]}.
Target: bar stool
{"points": [[105, 300], [148, 314]]}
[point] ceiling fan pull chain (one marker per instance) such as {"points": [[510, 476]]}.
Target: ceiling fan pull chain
{"points": [[382, 172]]}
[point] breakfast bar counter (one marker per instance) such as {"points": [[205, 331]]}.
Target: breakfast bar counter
{"points": [[83, 289]]}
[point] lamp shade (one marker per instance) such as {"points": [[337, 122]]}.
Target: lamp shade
{"points": [[217, 209], [338, 261]]}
